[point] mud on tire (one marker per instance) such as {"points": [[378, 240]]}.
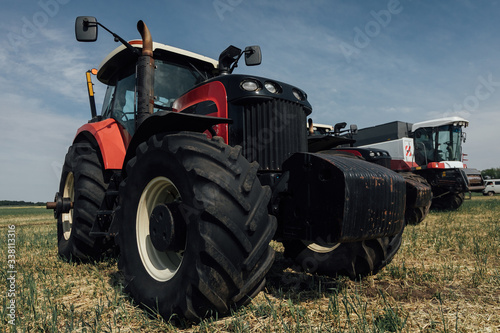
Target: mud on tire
{"points": [[217, 253]]}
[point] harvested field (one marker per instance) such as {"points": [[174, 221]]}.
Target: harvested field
{"points": [[445, 278]]}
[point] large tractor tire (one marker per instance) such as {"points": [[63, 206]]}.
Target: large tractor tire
{"points": [[450, 201], [83, 181], [194, 230], [355, 260]]}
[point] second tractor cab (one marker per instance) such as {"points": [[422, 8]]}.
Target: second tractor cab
{"points": [[431, 149], [439, 141]]}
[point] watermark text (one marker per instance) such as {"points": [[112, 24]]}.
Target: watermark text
{"points": [[363, 37], [484, 89], [221, 7], [11, 274], [32, 24]]}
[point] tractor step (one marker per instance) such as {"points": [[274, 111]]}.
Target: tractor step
{"points": [[104, 215], [102, 220]]}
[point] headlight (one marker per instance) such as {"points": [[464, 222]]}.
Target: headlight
{"points": [[272, 87], [250, 85], [299, 94]]}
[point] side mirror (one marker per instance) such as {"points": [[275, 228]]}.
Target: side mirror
{"points": [[253, 56], [86, 29], [354, 128]]}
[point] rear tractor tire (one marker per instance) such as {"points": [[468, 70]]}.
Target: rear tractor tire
{"points": [[194, 230], [450, 201], [83, 181], [355, 260]]}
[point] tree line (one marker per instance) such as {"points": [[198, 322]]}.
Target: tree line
{"points": [[20, 203], [493, 173]]}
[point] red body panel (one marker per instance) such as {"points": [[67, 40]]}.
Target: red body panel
{"points": [[351, 151], [213, 91], [400, 165], [436, 165], [112, 141]]}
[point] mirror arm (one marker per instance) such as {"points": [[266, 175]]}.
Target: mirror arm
{"points": [[235, 63], [121, 40]]}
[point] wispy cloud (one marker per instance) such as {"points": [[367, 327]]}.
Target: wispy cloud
{"points": [[418, 67], [33, 143], [54, 64]]}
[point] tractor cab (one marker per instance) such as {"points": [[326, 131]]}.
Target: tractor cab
{"points": [[176, 71], [439, 141]]}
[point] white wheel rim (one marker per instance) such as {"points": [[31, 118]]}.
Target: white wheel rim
{"points": [[67, 218], [161, 266], [321, 249]]}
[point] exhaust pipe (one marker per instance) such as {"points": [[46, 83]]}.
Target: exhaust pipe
{"points": [[145, 76], [147, 41]]}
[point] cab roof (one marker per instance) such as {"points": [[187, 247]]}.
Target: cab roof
{"points": [[440, 122], [120, 57]]}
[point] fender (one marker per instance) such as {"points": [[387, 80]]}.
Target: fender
{"points": [[169, 121], [212, 91], [364, 201], [111, 138]]}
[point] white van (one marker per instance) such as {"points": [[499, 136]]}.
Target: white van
{"points": [[492, 186]]}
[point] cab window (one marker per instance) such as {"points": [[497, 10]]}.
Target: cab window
{"points": [[108, 102], [172, 80]]}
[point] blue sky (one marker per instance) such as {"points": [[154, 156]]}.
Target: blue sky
{"points": [[363, 62]]}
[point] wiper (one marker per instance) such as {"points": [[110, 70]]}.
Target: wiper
{"points": [[163, 107], [196, 69]]}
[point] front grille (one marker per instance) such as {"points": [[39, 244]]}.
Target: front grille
{"points": [[273, 131]]}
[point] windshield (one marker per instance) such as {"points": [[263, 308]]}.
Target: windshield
{"points": [[437, 144], [171, 81]]}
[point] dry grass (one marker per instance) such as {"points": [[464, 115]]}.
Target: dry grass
{"points": [[445, 278]]}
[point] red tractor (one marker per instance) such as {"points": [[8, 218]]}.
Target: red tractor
{"points": [[190, 171]]}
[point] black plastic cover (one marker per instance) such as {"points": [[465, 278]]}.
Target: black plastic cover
{"points": [[339, 199]]}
